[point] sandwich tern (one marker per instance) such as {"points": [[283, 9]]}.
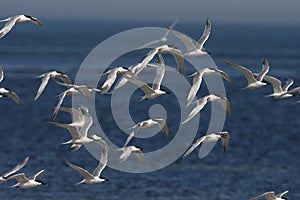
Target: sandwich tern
{"points": [[198, 79], [213, 137], [49, 75], [206, 99], [128, 150], [137, 68], [11, 21], [93, 178], [27, 183], [253, 83], [145, 124], [195, 49]]}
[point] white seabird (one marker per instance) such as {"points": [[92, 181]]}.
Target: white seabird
{"points": [[78, 129], [128, 150], [213, 137], [145, 124], [4, 177], [195, 49], [49, 75], [253, 83], [271, 196], [198, 80], [93, 178], [27, 183], [278, 90], [137, 68], [206, 99], [112, 75], [11, 21]]}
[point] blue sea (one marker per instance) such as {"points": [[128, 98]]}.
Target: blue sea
{"points": [[264, 151]]}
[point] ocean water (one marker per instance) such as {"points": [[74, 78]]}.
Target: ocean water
{"points": [[264, 149]]}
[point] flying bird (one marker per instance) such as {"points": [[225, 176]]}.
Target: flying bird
{"points": [[5, 92], [213, 137], [78, 129], [206, 99], [198, 80], [4, 177], [93, 178], [138, 68], [11, 21], [145, 124], [111, 78], [253, 83], [195, 49], [50, 75], [271, 196], [279, 91], [27, 183], [128, 150]]}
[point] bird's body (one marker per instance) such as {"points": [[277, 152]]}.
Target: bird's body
{"points": [[138, 68], [78, 129], [253, 82], [195, 49], [278, 90], [12, 21], [206, 99], [146, 124], [50, 75], [27, 183], [93, 178], [4, 92], [198, 76], [111, 77], [128, 150], [271, 196], [213, 137]]}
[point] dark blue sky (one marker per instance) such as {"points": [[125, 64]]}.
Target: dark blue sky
{"points": [[220, 11]]}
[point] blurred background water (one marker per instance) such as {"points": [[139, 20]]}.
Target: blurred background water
{"points": [[264, 149]]}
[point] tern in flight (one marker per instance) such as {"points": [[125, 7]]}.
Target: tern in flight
{"points": [[11, 21], [271, 196], [27, 183], [213, 137], [155, 90], [148, 123], [279, 91], [111, 78], [127, 151], [138, 68], [5, 92], [93, 178], [49, 75], [198, 76], [195, 49], [253, 83], [79, 128], [206, 99], [3, 177]]}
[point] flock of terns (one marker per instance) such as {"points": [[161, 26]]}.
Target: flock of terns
{"points": [[82, 120]]}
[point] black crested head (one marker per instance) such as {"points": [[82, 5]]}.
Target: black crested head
{"points": [[166, 91], [28, 16], [41, 182], [58, 71], [125, 68], [206, 51]]}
